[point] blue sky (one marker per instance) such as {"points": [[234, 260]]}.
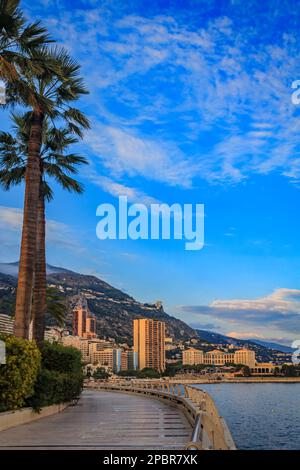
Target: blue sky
{"points": [[190, 102]]}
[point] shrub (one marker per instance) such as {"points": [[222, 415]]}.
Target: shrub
{"points": [[60, 378], [19, 374], [149, 373], [100, 374], [60, 358], [54, 387]]}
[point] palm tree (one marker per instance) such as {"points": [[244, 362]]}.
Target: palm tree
{"points": [[56, 307], [54, 163], [52, 94]]}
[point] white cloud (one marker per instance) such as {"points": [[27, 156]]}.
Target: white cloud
{"points": [[58, 233], [273, 314], [282, 300], [125, 153], [186, 83], [245, 335], [116, 188]]}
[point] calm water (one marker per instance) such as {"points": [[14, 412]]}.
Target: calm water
{"points": [[260, 416]]}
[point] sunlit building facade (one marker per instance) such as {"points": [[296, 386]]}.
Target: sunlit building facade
{"points": [[84, 323], [218, 358], [149, 343]]}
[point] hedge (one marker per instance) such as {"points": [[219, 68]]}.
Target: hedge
{"points": [[61, 358], [54, 387], [18, 376], [60, 378], [37, 378]]}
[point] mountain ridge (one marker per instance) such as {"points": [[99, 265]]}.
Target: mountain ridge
{"points": [[212, 337], [114, 309]]}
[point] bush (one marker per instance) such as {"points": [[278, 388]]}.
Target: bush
{"points": [[148, 373], [19, 374], [54, 387], [100, 374], [128, 373], [60, 378], [60, 358]]}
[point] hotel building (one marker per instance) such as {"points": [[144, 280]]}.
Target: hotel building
{"points": [[219, 358], [149, 343]]}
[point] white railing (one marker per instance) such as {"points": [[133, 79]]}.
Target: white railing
{"points": [[210, 431]]}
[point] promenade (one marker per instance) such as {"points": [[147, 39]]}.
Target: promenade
{"points": [[104, 420]]}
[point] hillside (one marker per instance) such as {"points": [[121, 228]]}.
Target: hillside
{"points": [[264, 352], [114, 309]]}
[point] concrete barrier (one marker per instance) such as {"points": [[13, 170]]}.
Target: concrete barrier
{"points": [[10, 419]]}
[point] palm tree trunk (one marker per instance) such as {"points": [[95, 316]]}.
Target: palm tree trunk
{"points": [[39, 289], [29, 230]]}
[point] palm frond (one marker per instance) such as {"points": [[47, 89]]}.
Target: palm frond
{"points": [[76, 116], [56, 306], [55, 162], [65, 181], [13, 177]]}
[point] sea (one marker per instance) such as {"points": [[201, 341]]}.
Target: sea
{"points": [[261, 415]]}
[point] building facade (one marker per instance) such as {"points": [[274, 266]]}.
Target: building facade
{"points": [[219, 358], [192, 357], [6, 324], [79, 343], [129, 360], [109, 358], [84, 323], [149, 343]]}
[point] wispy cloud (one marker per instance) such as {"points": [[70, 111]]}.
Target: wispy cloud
{"points": [[277, 311], [11, 218], [177, 104], [125, 153]]}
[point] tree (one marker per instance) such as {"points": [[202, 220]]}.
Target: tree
{"points": [[18, 42], [56, 307], [54, 163], [100, 374], [246, 371], [149, 373], [289, 370], [128, 373]]}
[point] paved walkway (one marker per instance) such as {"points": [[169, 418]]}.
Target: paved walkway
{"points": [[104, 420]]}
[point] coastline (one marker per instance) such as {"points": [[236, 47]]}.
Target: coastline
{"points": [[202, 380]]}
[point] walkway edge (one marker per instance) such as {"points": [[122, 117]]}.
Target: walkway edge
{"points": [[193, 402], [10, 419]]}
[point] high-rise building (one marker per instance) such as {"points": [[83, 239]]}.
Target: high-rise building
{"points": [[90, 326], [149, 343], [84, 323], [129, 360]]}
